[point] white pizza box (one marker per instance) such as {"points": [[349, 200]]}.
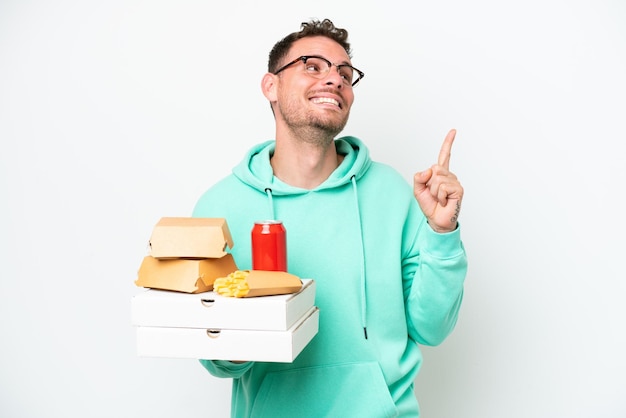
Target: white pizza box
{"points": [[164, 308], [229, 344]]}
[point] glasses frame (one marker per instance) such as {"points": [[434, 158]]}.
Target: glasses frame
{"points": [[304, 59]]}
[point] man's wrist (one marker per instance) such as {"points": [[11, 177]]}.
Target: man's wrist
{"points": [[439, 230]]}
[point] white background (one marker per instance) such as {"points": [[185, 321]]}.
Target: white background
{"points": [[114, 114]]}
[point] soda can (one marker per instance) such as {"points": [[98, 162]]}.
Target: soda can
{"points": [[269, 246]]}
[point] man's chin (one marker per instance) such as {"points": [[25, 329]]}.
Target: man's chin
{"points": [[329, 128]]}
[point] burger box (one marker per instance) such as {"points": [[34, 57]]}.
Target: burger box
{"points": [[229, 344], [183, 275], [215, 327], [179, 237], [162, 308]]}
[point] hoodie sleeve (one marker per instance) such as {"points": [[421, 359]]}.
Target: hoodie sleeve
{"points": [[434, 270], [222, 368]]}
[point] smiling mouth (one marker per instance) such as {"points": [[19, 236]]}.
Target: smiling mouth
{"points": [[320, 100]]}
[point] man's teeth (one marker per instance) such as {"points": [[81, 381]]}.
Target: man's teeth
{"points": [[325, 100]]}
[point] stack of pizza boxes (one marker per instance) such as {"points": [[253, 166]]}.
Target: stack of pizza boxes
{"points": [[179, 315]]}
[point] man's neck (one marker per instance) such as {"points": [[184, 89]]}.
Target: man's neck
{"points": [[304, 164]]}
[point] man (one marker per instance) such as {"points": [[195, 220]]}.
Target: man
{"points": [[388, 261]]}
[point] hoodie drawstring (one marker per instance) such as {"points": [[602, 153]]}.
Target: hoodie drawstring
{"points": [[268, 191], [363, 295]]}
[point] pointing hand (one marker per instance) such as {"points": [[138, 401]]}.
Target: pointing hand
{"points": [[439, 192]]}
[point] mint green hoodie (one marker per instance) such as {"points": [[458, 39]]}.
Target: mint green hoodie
{"points": [[385, 282]]}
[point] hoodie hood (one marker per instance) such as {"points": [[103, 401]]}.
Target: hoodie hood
{"points": [[256, 171]]}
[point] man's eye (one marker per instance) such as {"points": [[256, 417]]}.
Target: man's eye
{"points": [[312, 68], [346, 75]]}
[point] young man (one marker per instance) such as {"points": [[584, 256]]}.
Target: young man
{"points": [[388, 261]]}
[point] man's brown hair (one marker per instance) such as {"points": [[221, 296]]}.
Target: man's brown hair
{"points": [[311, 28]]}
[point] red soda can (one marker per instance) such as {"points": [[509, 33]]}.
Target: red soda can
{"points": [[269, 246]]}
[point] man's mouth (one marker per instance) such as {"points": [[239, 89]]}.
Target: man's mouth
{"points": [[320, 100]]}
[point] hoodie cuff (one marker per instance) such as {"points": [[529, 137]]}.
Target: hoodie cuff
{"points": [[444, 245], [224, 368]]}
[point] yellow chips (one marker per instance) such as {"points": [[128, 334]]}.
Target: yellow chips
{"points": [[233, 285]]}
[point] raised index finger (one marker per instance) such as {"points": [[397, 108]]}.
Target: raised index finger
{"points": [[446, 149]]}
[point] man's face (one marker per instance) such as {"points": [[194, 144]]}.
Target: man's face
{"points": [[304, 101]]}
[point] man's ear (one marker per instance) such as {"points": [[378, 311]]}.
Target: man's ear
{"points": [[268, 86]]}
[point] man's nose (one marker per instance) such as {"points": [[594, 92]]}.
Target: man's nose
{"points": [[334, 77]]}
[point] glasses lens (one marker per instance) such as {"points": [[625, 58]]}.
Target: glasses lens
{"points": [[347, 74], [316, 67], [319, 68]]}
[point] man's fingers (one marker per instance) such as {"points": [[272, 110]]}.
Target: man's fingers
{"points": [[446, 149], [422, 177]]}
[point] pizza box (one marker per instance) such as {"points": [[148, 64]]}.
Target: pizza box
{"points": [[229, 344], [168, 309]]}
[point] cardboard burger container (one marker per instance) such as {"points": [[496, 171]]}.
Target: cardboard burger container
{"points": [[215, 327], [179, 237], [183, 275], [187, 255]]}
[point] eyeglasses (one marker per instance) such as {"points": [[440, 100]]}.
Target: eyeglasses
{"points": [[319, 67]]}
